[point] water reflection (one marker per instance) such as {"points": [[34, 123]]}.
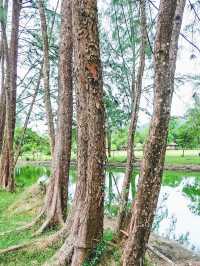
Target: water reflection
{"points": [[181, 218], [178, 212]]}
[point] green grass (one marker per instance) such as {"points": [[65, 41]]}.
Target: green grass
{"points": [[172, 157], [25, 177], [30, 258], [172, 178]]}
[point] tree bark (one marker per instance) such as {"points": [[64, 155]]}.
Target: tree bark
{"points": [[155, 148], [7, 155], [88, 226], [46, 71], [57, 193], [2, 98], [3, 8], [137, 91], [87, 209]]}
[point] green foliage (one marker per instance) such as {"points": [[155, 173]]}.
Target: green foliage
{"points": [[185, 136], [28, 175], [2, 14], [119, 139], [33, 142], [193, 192], [96, 254]]}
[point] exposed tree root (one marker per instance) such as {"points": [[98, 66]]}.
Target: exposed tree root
{"points": [[38, 244], [48, 223], [63, 255], [24, 227]]}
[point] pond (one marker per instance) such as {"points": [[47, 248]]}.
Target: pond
{"points": [[178, 212]]}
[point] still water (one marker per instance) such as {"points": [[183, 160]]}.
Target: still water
{"points": [[178, 211]]}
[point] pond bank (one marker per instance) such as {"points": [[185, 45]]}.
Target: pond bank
{"points": [[171, 167], [164, 252]]}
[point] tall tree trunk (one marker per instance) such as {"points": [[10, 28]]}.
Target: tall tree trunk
{"points": [[152, 165], [46, 72], [2, 97], [7, 155], [88, 225], [3, 10], [57, 193], [133, 124], [87, 209]]}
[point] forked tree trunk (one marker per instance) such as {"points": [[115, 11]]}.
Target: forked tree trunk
{"points": [[87, 209], [7, 155], [165, 52], [133, 124], [57, 193], [46, 72]]}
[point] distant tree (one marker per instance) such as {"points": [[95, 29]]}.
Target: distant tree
{"points": [[193, 118], [174, 123], [115, 118], [32, 142], [185, 137]]}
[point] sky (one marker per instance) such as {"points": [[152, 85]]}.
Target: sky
{"points": [[182, 99]]}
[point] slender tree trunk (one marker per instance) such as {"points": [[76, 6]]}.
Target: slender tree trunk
{"points": [[57, 194], [133, 124], [153, 161], [7, 155], [109, 141], [46, 71], [87, 209], [18, 150], [3, 10], [2, 98]]}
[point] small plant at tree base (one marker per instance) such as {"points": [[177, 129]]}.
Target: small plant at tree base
{"points": [[96, 254]]}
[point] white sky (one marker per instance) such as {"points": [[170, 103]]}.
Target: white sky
{"points": [[182, 99]]}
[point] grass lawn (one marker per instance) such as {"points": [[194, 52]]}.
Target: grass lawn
{"points": [[172, 157], [10, 219]]}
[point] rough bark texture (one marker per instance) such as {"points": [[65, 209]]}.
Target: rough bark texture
{"points": [[137, 90], [57, 194], [7, 155], [3, 18], [2, 96], [46, 70], [87, 208], [153, 162], [88, 226]]}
